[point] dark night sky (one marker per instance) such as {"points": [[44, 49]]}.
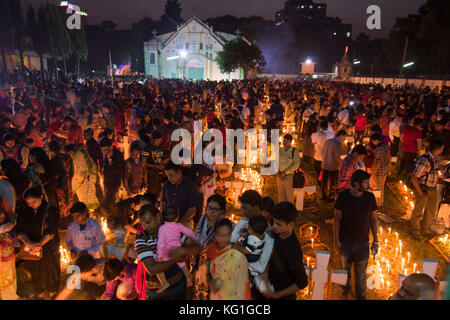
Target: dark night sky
{"points": [[124, 12]]}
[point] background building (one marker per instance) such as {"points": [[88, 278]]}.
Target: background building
{"points": [[187, 53], [308, 13]]}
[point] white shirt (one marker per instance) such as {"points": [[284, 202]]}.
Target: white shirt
{"points": [[343, 116], [394, 129], [318, 139]]}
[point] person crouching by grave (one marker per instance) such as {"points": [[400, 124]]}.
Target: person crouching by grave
{"points": [[146, 248], [417, 286], [286, 272], [135, 177], [115, 273], [127, 213], [84, 233], [355, 216], [119, 247], [82, 287], [289, 163], [170, 235]]}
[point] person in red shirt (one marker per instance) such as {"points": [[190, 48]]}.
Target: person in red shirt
{"points": [[360, 125], [73, 132], [385, 121], [411, 140]]}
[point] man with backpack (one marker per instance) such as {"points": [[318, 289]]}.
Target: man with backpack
{"points": [[289, 162], [424, 178]]}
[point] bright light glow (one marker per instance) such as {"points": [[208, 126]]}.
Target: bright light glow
{"points": [[357, 62], [408, 64], [64, 3], [308, 61], [172, 58], [183, 53]]}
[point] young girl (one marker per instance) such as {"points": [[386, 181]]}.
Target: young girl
{"points": [[169, 236]]}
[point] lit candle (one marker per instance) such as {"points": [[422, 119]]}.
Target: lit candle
{"points": [[400, 244], [406, 272], [414, 267], [401, 182], [307, 262], [445, 239], [382, 283], [381, 231], [388, 266], [403, 263], [312, 243], [389, 230], [387, 285], [396, 251], [409, 256], [311, 230], [396, 236], [385, 243]]}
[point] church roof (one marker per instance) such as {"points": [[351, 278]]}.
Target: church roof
{"points": [[221, 37]]}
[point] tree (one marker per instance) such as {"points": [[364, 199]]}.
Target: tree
{"points": [[6, 30], [21, 41], [79, 44], [141, 31], [59, 41], [428, 41], [38, 37], [172, 11], [238, 54]]}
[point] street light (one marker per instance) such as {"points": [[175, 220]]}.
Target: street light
{"points": [[183, 53], [406, 65], [356, 62], [308, 61]]}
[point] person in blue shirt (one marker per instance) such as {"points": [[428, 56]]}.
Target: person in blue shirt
{"points": [[84, 233]]}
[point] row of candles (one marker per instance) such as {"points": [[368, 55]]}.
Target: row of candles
{"points": [[253, 177], [405, 192], [390, 262]]}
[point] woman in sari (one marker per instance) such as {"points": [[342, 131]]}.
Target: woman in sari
{"points": [[37, 229], [227, 275], [215, 211], [84, 178], [8, 282]]}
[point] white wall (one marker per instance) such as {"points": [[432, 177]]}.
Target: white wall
{"points": [[400, 81]]}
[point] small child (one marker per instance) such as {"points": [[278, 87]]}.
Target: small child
{"points": [[169, 236], [252, 245]]}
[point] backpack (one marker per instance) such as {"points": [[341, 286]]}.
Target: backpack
{"points": [[412, 167], [299, 176]]}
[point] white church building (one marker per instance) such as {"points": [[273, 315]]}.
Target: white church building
{"points": [[188, 53]]}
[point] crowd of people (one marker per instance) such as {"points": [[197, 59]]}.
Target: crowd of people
{"points": [[72, 153]]}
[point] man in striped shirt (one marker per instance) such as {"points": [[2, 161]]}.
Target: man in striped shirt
{"points": [[145, 245]]}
